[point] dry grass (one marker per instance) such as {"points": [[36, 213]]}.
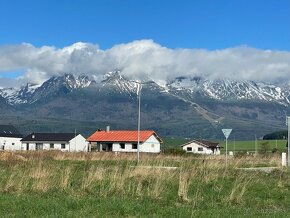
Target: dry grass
{"points": [[167, 160], [108, 174]]}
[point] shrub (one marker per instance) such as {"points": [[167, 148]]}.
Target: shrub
{"points": [[275, 150], [265, 147], [174, 151]]}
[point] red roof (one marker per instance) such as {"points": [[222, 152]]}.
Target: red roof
{"points": [[121, 136]]}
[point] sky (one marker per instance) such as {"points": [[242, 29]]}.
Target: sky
{"points": [[242, 39]]}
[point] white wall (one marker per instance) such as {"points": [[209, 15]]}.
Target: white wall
{"points": [[10, 144], [217, 151], [151, 145], [195, 147], [78, 143], [46, 146]]}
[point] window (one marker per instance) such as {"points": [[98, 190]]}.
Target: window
{"points": [[152, 145], [200, 149], [189, 149], [122, 145], [62, 146], [51, 145], [13, 143], [134, 146], [39, 146]]}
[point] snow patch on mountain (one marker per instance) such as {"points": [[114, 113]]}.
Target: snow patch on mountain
{"points": [[185, 87], [229, 90]]}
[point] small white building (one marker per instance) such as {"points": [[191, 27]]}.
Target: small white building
{"points": [[201, 147], [124, 141], [9, 138], [55, 141]]}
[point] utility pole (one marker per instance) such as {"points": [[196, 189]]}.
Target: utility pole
{"points": [[139, 113], [139, 121], [234, 145], [256, 152], [75, 139], [288, 124]]}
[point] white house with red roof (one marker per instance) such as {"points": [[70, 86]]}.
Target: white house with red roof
{"points": [[124, 141]]}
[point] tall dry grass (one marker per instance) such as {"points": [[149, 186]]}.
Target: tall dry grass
{"points": [[195, 180]]}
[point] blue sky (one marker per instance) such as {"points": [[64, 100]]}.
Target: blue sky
{"points": [[208, 24], [157, 39]]}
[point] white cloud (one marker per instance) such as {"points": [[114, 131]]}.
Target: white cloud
{"points": [[145, 59]]}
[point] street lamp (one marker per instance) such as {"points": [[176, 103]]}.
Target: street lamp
{"points": [[139, 113], [288, 124]]}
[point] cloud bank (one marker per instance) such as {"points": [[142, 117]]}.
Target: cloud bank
{"points": [[145, 59]]}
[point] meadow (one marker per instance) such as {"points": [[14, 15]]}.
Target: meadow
{"points": [[235, 146], [56, 184], [269, 145]]}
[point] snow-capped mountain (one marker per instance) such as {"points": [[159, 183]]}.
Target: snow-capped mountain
{"points": [[183, 106], [18, 96], [229, 90], [184, 87], [31, 93]]}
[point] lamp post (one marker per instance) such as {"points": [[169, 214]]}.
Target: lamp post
{"points": [[139, 120], [288, 124], [256, 147], [139, 113]]}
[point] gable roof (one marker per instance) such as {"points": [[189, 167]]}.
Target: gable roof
{"points": [[57, 137], [204, 143], [9, 131], [122, 136]]}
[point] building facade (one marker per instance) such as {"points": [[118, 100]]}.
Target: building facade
{"points": [[124, 141], [55, 141], [201, 147], [10, 138]]}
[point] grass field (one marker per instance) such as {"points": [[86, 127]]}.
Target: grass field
{"points": [[237, 146], [233, 145], [56, 184]]}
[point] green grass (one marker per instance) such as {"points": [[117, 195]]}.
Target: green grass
{"points": [[173, 142], [232, 145], [48, 205], [250, 145], [55, 184]]}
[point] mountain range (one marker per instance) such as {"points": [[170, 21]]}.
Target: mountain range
{"points": [[192, 107]]}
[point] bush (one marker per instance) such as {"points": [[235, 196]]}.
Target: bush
{"points": [[265, 148], [241, 154], [174, 151], [275, 150]]}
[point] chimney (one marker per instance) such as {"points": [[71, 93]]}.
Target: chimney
{"points": [[107, 128], [33, 135]]}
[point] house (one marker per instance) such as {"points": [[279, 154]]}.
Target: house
{"points": [[9, 138], [124, 141], [201, 147], [55, 141]]}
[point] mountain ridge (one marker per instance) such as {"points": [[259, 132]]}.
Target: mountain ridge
{"points": [[223, 90], [184, 106]]}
